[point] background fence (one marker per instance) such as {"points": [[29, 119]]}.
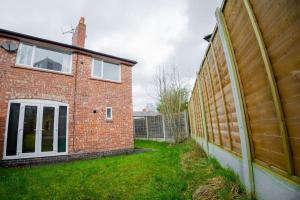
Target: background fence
{"points": [[246, 99], [157, 127]]}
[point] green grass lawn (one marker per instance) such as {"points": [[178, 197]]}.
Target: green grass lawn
{"points": [[168, 172]]}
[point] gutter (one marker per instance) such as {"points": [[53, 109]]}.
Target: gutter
{"points": [[19, 36]]}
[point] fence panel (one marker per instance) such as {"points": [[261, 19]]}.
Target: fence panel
{"points": [[280, 27], [158, 127], [180, 122], [155, 127], [232, 130], [198, 117], [140, 129], [265, 40]]}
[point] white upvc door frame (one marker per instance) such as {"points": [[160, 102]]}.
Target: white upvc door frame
{"points": [[55, 130], [21, 130], [40, 104]]}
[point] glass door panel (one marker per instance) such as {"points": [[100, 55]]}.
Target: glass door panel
{"points": [[12, 131], [36, 128], [62, 129], [29, 129], [48, 129]]}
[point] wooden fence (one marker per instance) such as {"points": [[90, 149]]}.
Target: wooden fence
{"points": [[246, 99]]}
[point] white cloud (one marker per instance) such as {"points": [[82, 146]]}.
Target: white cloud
{"points": [[155, 33], [151, 43]]}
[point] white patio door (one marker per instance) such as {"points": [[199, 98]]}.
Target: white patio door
{"points": [[37, 133], [36, 128]]}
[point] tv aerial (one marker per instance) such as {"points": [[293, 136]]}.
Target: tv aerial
{"points": [[70, 31]]}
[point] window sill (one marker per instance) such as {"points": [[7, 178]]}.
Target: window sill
{"points": [[40, 69], [106, 80], [109, 120], [35, 155]]}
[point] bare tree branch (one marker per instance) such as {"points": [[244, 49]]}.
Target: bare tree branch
{"points": [[173, 96]]}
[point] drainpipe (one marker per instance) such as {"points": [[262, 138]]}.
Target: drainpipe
{"points": [[75, 99]]}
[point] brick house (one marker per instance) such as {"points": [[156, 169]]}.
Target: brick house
{"points": [[59, 100]]}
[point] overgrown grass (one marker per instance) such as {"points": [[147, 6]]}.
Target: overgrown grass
{"points": [[169, 172]]}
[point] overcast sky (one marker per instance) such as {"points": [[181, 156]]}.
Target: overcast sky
{"points": [[153, 32]]}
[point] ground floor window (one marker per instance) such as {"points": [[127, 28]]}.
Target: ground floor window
{"points": [[109, 113], [36, 128]]}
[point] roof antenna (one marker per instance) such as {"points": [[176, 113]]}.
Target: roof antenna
{"points": [[72, 30]]}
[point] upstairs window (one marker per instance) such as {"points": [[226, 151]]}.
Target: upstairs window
{"points": [[39, 57], [105, 70]]}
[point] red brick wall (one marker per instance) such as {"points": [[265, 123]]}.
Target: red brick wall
{"points": [[92, 131]]}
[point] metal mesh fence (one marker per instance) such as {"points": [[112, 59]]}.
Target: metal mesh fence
{"points": [[140, 129], [159, 127], [180, 125]]}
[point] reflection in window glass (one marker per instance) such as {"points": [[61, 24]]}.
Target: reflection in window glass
{"points": [[52, 60], [44, 58], [62, 129], [106, 70], [108, 113], [111, 71], [24, 54], [29, 129], [48, 129], [12, 132], [97, 70]]}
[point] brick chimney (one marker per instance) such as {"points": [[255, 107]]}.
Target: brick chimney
{"points": [[78, 38]]}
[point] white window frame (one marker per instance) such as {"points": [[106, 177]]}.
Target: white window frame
{"points": [[111, 111], [33, 55], [101, 77], [40, 103]]}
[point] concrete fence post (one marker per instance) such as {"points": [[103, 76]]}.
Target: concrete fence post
{"points": [[194, 119], [147, 131], [185, 123], [238, 101], [163, 126]]}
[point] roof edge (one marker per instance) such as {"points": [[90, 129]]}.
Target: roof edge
{"points": [[21, 35]]}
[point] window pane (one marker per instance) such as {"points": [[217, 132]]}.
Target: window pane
{"points": [[48, 128], [108, 113], [52, 60], [25, 54], [29, 129], [12, 131], [62, 128], [111, 71], [97, 68]]}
